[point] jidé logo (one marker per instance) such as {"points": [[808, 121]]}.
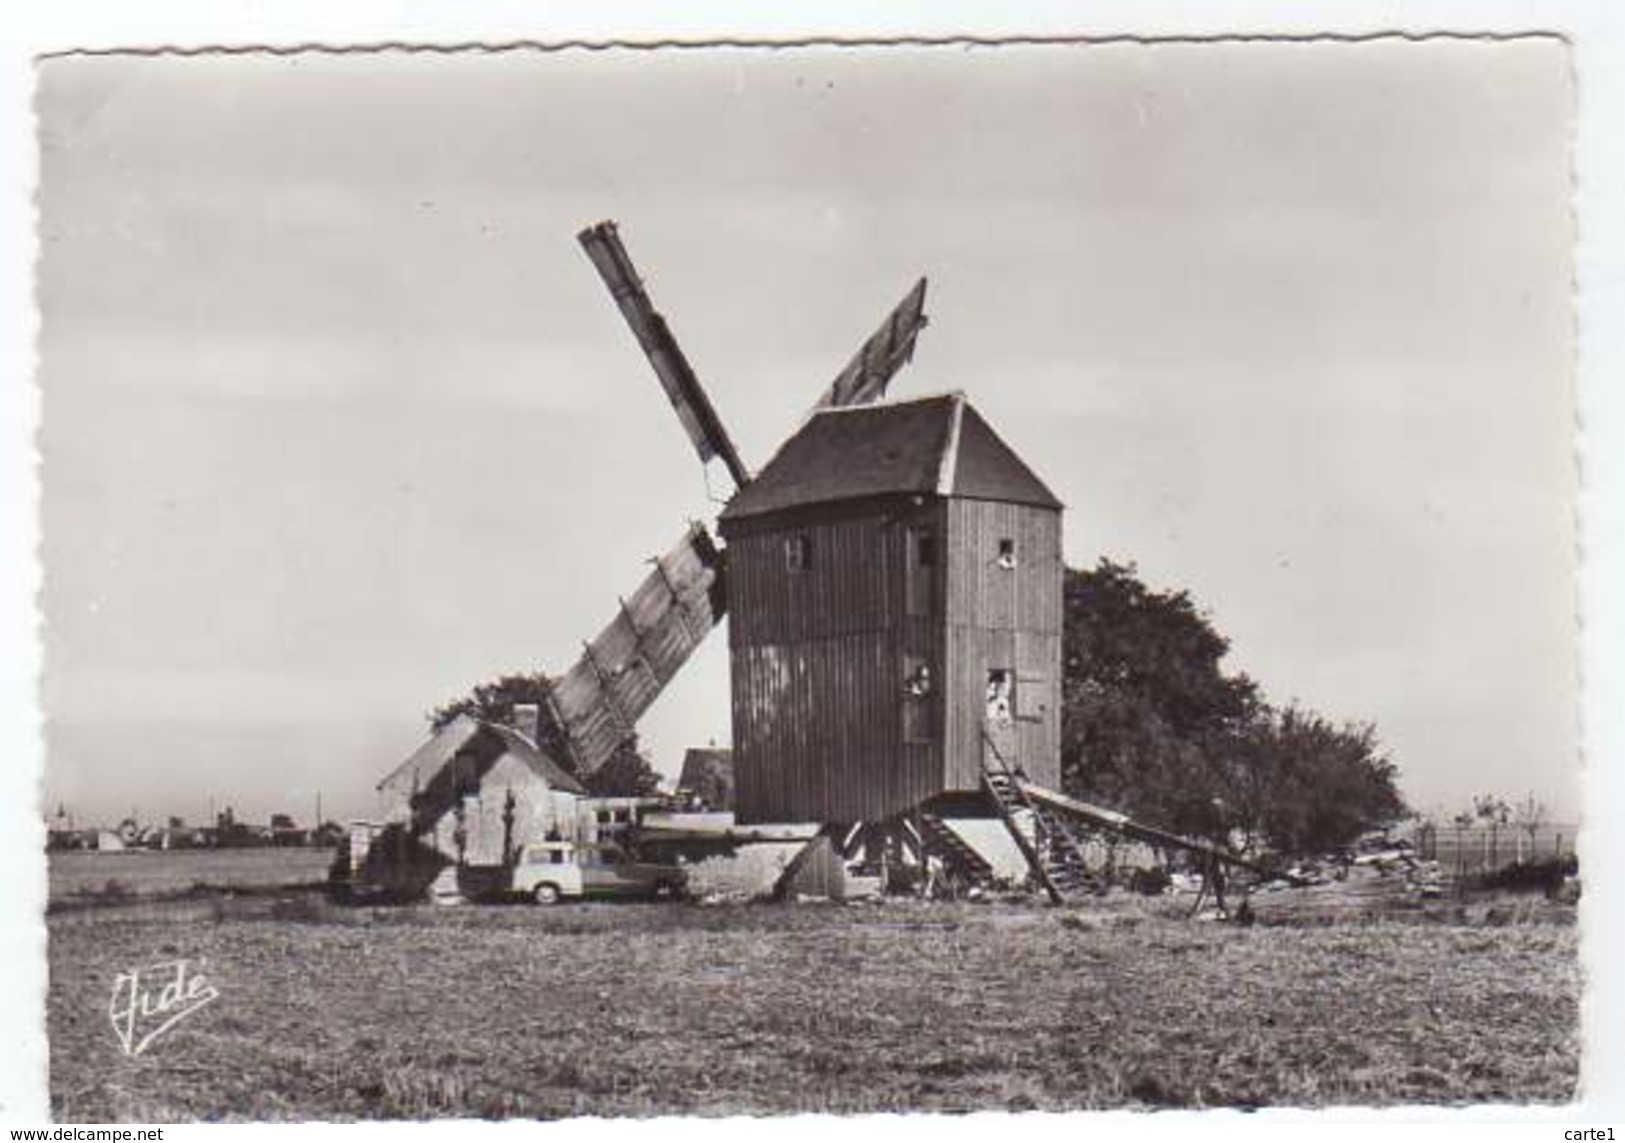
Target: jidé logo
{"points": [[149, 1001]]}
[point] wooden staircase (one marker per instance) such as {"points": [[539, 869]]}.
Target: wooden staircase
{"points": [[1049, 827], [1054, 852], [938, 838]]}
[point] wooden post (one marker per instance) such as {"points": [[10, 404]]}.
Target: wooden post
{"points": [[849, 844]]}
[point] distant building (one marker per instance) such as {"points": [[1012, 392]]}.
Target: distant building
{"points": [[327, 834], [177, 835], [708, 777], [286, 832], [229, 833], [60, 832]]}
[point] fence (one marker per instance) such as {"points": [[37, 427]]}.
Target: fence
{"points": [[1467, 850]]}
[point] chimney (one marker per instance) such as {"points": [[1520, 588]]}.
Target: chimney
{"points": [[527, 718]]}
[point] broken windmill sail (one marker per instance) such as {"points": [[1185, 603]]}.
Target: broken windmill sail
{"points": [[598, 701], [877, 361]]}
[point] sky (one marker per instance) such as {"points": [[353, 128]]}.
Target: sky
{"points": [[338, 420]]}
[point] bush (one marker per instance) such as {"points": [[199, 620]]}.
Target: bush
{"points": [[1150, 882], [1545, 876]]}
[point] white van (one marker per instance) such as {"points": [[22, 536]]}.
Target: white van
{"points": [[548, 872], [552, 871]]}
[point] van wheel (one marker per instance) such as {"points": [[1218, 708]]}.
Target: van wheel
{"points": [[545, 894]]}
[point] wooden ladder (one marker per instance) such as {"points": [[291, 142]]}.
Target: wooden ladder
{"points": [[1053, 852], [938, 837]]}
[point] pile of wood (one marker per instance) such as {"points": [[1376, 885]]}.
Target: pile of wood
{"points": [[1370, 885]]}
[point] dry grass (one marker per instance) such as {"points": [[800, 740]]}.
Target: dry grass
{"points": [[636, 1010], [80, 878]]}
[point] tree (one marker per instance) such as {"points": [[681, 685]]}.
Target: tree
{"points": [[1321, 785], [1149, 720], [1153, 725], [1491, 809], [627, 773], [494, 700], [1531, 817]]}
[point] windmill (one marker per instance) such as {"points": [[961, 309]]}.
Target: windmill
{"points": [[894, 580]]}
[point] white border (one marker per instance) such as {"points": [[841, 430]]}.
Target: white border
{"points": [[1593, 26]]}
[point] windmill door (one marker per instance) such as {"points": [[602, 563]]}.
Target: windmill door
{"points": [[999, 720]]}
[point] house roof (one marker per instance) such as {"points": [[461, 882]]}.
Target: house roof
{"points": [[936, 445], [701, 763], [466, 732], [556, 776]]}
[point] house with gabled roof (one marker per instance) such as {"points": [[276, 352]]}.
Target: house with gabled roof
{"points": [[476, 791]]}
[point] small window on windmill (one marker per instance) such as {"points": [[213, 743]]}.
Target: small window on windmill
{"points": [[922, 565], [1000, 696], [1007, 554], [925, 548], [798, 553]]}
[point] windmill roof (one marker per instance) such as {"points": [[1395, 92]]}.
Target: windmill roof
{"points": [[466, 732], [936, 445], [556, 776]]}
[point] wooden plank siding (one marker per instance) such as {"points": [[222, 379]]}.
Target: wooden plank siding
{"points": [[821, 658], [983, 594], [853, 583], [1005, 618]]}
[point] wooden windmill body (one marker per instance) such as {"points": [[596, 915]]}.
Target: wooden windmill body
{"points": [[894, 589], [893, 580]]}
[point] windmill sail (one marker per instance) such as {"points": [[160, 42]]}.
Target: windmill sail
{"points": [[597, 703], [694, 409], [866, 376], [620, 673]]}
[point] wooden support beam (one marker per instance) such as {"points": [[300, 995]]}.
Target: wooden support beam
{"points": [[998, 778], [848, 847], [1114, 822], [792, 870], [911, 837]]}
